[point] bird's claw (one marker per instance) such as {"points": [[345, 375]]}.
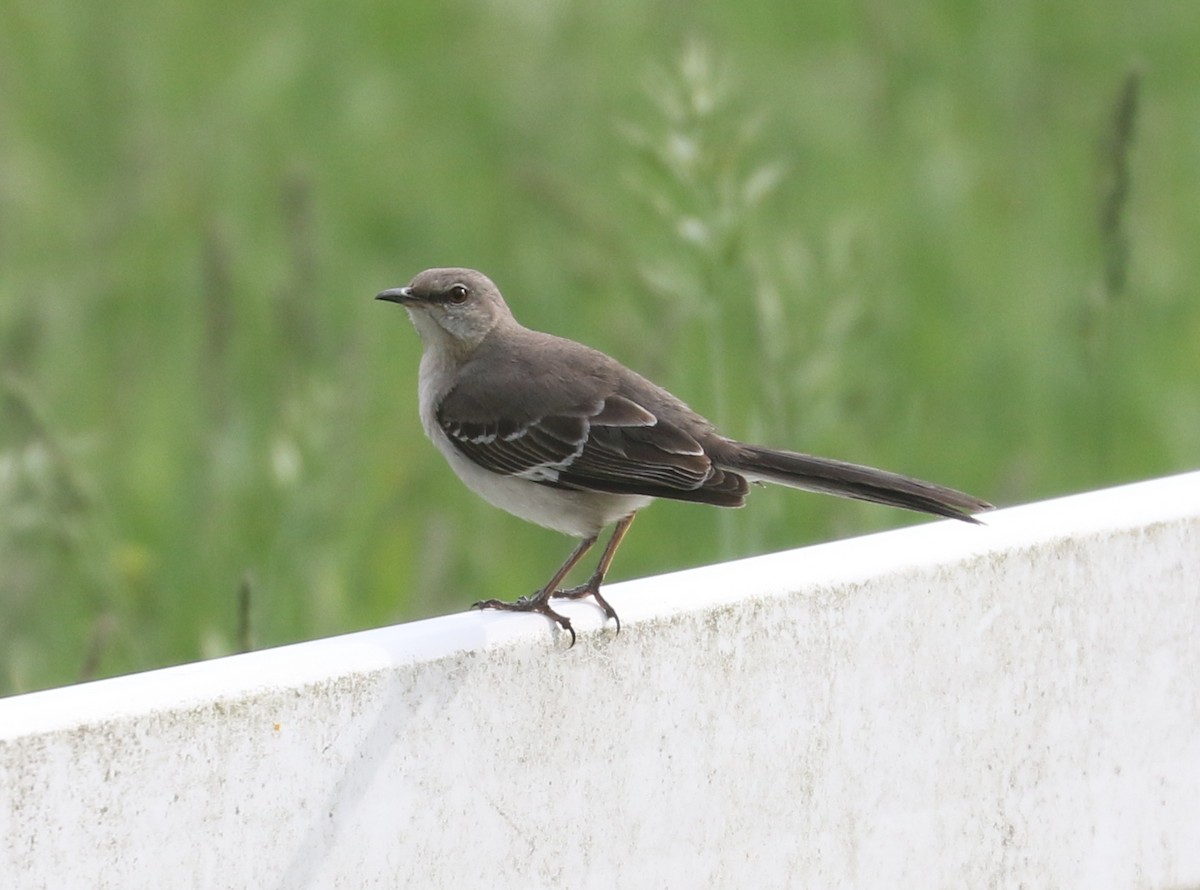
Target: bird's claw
{"points": [[530, 604], [592, 589]]}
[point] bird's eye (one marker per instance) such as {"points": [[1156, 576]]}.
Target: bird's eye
{"points": [[458, 293]]}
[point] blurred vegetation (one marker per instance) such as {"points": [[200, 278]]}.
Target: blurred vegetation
{"points": [[951, 239]]}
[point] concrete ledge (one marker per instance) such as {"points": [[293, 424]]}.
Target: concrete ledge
{"points": [[941, 706]]}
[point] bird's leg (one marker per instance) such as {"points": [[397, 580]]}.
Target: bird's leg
{"points": [[540, 601], [591, 587]]}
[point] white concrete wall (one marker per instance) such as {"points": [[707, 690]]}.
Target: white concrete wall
{"points": [[942, 706]]}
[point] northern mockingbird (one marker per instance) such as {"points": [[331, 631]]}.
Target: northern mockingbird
{"points": [[562, 435]]}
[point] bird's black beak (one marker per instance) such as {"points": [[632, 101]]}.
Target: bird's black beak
{"points": [[396, 295]]}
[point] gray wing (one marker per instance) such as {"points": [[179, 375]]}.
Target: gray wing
{"points": [[600, 427]]}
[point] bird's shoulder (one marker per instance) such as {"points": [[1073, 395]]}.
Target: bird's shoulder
{"points": [[531, 375]]}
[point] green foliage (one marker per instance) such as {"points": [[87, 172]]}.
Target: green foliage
{"points": [[953, 240]]}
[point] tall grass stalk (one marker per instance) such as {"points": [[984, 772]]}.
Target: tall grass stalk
{"points": [[1112, 302], [719, 266]]}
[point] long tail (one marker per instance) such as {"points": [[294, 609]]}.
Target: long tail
{"points": [[849, 481]]}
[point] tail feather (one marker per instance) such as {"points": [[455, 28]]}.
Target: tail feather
{"points": [[848, 480]]}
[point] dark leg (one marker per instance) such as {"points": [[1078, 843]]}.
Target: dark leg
{"points": [[592, 586], [540, 601]]}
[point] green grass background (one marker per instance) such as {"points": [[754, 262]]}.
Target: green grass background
{"points": [[953, 239]]}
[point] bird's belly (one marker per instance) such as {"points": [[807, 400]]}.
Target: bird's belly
{"points": [[579, 513], [582, 514]]}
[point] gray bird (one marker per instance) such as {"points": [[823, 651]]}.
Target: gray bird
{"points": [[562, 435]]}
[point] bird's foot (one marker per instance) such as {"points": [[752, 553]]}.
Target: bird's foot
{"points": [[535, 603], [590, 588]]}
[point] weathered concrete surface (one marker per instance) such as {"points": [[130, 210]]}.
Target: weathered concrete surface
{"points": [[942, 706]]}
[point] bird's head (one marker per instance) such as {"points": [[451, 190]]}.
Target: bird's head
{"points": [[455, 308]]}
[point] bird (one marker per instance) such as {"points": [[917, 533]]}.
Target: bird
{"points": [[564, 436]]}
